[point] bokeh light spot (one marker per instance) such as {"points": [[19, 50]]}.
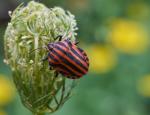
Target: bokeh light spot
{"points": [[144, 86], [2, 112], [128, 37], [102, 58], [7, 91]]}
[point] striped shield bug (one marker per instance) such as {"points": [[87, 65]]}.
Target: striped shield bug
{"points": [[66, 58]]}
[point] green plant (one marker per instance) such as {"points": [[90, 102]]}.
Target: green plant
{"points": [[31, 27]]}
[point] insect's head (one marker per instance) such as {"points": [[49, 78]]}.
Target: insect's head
{"points": [[50, 46]]}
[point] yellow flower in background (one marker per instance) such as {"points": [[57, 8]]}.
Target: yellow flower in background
{"points": [[128, 36], [144, 86], [6, 91], [102, 58], [2, 112]]}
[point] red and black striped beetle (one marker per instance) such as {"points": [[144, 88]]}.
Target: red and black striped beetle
{"points": [[66, 58]]}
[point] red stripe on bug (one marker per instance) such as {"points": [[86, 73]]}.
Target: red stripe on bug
{"points": [[75, 48], [61, 70], [69, 60], [83, 63], [85, 55], [64, 72], [58, 69], [52, 61], [68, 67]]}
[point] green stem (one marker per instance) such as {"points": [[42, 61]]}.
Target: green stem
{"points": [[39, 114]]}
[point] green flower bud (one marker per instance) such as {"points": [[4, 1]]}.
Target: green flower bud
{"points": [[32, 27]]}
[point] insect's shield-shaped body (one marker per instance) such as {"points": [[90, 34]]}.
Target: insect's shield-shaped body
{"points": [[66, 58]]}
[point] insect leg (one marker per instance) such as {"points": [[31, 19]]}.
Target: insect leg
{"points": [[45, 58], [59, 37], [72, 77], [77, 42], [50, 68], [56, 73]]}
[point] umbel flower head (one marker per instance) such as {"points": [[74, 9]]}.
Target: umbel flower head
{"points": [[31, 27]]}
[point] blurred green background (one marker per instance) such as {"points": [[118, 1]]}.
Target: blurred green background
{"points": [[115, 34]]}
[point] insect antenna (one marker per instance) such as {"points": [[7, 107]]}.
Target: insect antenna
{"points": [[37, 49]]}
